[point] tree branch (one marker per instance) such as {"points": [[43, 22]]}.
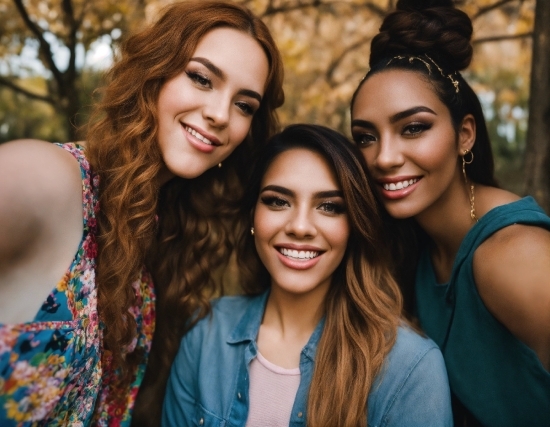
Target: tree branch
{"points": [[503, 38], [272, 10], [491, 7], [27, 93], [336, 62], [67, 7], [39, 34]]}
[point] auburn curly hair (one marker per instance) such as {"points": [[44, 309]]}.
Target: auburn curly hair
{"points": [[181, 232]]}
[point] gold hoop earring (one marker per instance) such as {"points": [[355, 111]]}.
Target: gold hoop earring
{"points": [[469, 186], [252, 231]]}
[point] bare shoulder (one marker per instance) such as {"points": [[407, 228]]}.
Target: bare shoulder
{"points": [[38, 181], [512, 274]]}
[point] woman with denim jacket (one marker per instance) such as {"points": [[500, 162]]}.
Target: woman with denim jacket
{"points": [[319, 339]]}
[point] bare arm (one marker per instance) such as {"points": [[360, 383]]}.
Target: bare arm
{"points": [[40, 223], [512, 274]]}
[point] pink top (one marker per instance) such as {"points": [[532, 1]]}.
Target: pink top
{"points": [[272, 393]]}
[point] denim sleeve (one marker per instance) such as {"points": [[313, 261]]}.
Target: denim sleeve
{"points": [[179, 402], [424, 400]]}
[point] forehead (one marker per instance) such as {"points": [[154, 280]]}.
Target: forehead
{"points": [[396, 90], [236, 53], [300, 168]]}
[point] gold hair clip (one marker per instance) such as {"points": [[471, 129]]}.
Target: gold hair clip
{"points": [[412, 58]]}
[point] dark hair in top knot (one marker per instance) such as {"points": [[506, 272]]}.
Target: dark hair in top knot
{"points": [[423, 4], [432, 38], [435, 28]]}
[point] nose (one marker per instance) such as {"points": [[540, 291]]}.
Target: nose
{"points": [[389, 154], [301, 224], [216, 110]]}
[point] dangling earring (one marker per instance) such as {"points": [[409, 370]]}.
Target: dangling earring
{"points": [[471, 186], [220, 165], [252, 231]]}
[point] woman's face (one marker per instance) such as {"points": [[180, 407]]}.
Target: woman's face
{"points": [[408, 140], [206, 111], [301, 226]]}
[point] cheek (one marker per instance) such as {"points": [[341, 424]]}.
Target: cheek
{"points": [[338, 235], [442, 157], [369, 156], [239, 128], [265, 225]]}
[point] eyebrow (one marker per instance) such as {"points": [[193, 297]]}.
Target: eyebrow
{"points": [[290, 193], [220, 74], [396, 117]]}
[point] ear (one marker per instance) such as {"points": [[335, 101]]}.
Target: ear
{"points": [[466, 134]]}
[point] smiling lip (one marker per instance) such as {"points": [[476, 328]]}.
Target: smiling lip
{"points": [[398, 187], [298, 257], [201, 140]]}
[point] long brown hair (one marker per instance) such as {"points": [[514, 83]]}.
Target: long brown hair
{"points": [[178, 231], [363, 305]]}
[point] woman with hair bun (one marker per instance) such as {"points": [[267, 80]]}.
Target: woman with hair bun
{"points": [[121, 238], [474, 259]]}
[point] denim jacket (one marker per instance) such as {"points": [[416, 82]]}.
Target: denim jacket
{"points": [[208, 384]]}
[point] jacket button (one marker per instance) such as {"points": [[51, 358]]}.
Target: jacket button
{"points": [[201, 421], [239, 396], [300, 415]]}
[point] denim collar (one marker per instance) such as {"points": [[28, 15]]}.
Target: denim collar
{"points": [[248, 326]]}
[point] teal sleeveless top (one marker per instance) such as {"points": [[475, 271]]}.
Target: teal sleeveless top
{"points": [[494, 375]]}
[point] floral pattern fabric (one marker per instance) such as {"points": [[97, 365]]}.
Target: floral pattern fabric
{"points": [[52, 370]]}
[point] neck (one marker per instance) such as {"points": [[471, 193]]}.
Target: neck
{"points": [[294, 313], [447, 222], [288, 322]]}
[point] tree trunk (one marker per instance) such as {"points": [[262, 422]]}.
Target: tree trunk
{"points": [[537, 152]]}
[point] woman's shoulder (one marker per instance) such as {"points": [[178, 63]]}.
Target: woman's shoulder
{"points": [[410, 346], [38, 170], [412, 384], [228, 313], [412, 358], [40, 186], [233, 305]]}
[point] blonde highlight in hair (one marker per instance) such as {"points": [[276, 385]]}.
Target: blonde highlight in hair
{"points": [[363, 306], [182, 231]]}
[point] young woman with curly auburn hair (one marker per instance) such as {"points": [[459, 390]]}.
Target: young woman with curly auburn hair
{"points": [[318, 341], [149, 199], [475, 259]]}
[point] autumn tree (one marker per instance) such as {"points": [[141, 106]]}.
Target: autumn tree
{"points": [[537, 155], [57, 35]]}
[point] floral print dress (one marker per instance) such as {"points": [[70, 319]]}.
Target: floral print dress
{"points": [[52, 370]]}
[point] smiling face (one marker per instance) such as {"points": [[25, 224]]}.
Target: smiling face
{"points": [[301, 227], [206, 111], [409, 143]]}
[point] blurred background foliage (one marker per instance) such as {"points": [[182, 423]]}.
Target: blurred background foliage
{"points": [[52, 53]]}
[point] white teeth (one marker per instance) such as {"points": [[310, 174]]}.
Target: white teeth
{"points": [[399, 185], [292, 253], [198, 135]]}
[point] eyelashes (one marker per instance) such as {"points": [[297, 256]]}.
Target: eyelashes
{"points": [[204, 82], [366, 137], [274, 201], [199, 79], [415, 129], [329, 207]]}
